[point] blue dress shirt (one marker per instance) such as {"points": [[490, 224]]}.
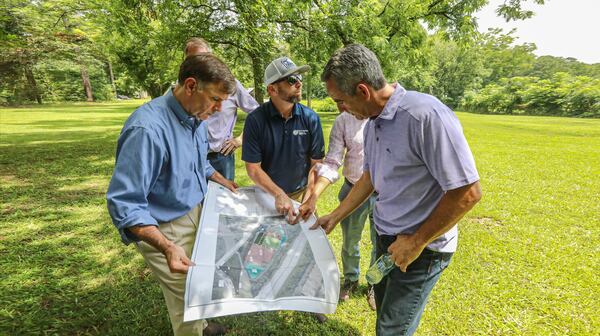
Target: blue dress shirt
{"points": [[161, 167]]}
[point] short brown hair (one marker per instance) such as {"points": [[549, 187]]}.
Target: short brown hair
{"points": [[207, 68], [196, 42]]}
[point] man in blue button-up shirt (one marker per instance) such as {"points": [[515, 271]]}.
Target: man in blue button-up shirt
{"points": [[159, 180]]}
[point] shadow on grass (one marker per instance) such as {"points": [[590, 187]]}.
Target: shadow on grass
{"points": [[63, 269], [62, 124]]}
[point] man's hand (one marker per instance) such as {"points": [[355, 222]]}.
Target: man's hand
{"points": [[405, 250], [220, 179], [229, 185], [231, 145], [306, 209], [284, 205], [177, 259], [327, 222]]}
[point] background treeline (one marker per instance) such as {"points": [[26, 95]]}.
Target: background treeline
{"points": [[496, 75], [59, 50]]}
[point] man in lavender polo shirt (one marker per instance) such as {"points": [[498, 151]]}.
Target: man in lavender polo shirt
{"points": [[418, 161]]}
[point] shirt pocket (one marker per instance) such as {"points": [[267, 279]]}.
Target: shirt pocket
{"points": [[399, 153]]}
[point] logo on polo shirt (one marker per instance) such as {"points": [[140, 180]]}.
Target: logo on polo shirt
{"points": [[300, 132]]}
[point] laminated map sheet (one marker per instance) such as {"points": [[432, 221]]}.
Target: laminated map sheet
{"points": [[249, 259]]}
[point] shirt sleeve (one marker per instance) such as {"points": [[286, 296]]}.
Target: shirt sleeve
{"points": [[251, 151], [445, 151], [208, 168], [335, 153], [244, 100], [317, 146], [138, 163]]}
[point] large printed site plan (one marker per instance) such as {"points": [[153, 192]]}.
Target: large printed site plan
{"points": [[249, 259]]}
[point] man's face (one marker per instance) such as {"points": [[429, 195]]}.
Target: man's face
{"points": [[207, 100], [351, 104], [290, 89]]}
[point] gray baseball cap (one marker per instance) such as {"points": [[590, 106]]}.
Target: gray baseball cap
{"points": [[282, 67]]}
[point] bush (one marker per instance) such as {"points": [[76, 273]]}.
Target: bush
{"points": [[324, 105], [563, 95], [60, 80]]}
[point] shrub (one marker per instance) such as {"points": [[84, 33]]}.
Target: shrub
{"points": [[562, 95]]}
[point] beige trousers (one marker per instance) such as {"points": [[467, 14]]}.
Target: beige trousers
{"points": [[181, 231], [297, 195]]}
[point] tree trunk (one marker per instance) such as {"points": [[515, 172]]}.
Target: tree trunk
{"points": [[34, 93], [155, 90], [85, 78], [112, 78], [308, 90], [308, 75], [258, 72]]}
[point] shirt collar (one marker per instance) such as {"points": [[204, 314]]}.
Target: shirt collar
{"points": [[274, 113], [391, 106], [180, 113]]}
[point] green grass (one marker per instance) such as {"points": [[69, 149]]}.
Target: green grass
{"points": [[526, 265]]}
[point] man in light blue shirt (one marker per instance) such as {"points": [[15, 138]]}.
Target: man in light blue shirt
{"points": [[221, 142], [159, 181], [418, 161]]}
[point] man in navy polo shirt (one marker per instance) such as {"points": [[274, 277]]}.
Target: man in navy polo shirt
{"points": [[283, 139]]}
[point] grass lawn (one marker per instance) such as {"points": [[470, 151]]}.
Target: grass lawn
{"points": [[526, 265]]}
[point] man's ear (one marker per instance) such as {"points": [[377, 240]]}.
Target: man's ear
{"points": [[190, 85], [362, 90], [271, 90]]}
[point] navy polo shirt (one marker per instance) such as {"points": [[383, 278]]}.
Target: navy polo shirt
{"points": [[283, 147]]}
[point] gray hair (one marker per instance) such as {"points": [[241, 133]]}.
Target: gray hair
{"points": [[352, 65], [196, 42]]}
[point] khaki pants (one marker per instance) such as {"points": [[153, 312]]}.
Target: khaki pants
{"points": [[181, 231], [297, 195]]}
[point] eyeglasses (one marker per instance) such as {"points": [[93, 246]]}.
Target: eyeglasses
{"points": [[292, 79]]}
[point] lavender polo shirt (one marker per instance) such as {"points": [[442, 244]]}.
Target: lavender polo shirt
{"points": [[220, 125], [415, 151]]}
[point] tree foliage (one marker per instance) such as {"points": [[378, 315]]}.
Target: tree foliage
{"points": [[56, 50], [38, 35]]}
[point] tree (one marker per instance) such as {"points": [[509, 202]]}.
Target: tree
{"points": [[458, 67], [145, 37], [502, 57], [37, 32], [135, 33], [547, 66]]}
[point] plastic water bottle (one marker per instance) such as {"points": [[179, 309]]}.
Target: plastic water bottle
{"points": [[380, 268]]}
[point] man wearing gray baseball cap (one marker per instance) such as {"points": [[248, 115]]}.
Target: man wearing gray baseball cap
{"points": [[281, 68], [283, 139]]}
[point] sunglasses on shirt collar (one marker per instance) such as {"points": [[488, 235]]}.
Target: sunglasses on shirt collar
{"points": [[291, 79]]}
